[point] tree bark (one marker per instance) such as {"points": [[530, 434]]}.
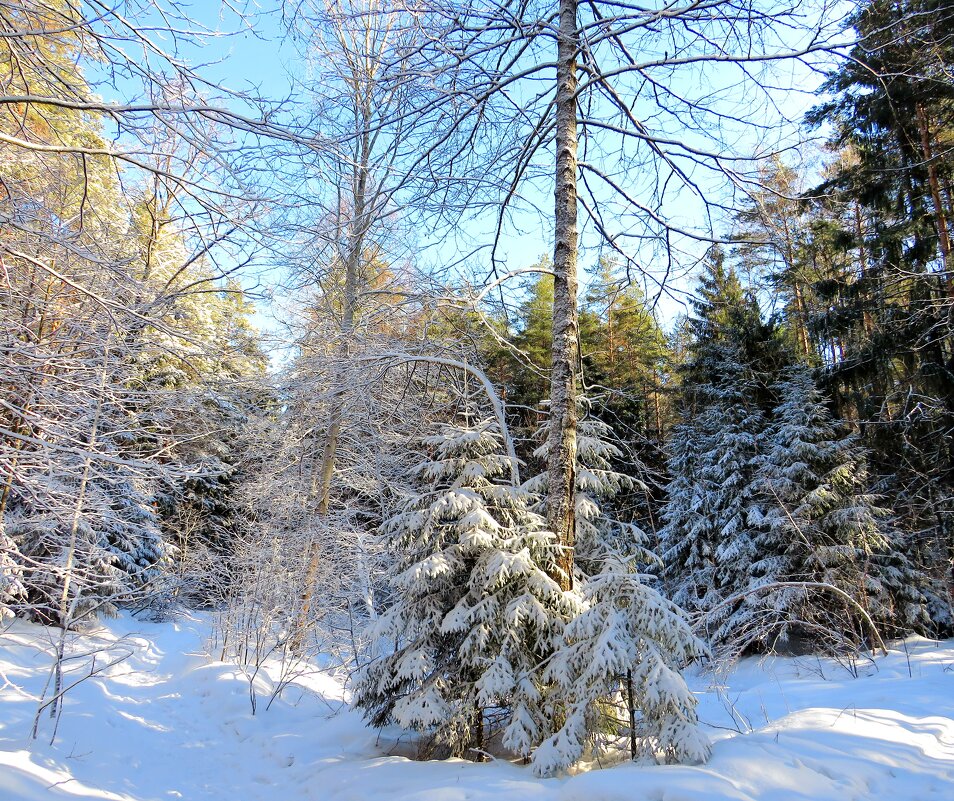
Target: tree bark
{"points": [[940, 217], [631, 710], [561, 465]]}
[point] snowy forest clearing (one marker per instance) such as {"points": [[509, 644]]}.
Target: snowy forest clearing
{"points": [[167, 722], [506, 360]]}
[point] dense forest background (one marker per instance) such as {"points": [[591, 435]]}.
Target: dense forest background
{"points": [[771, 470]]}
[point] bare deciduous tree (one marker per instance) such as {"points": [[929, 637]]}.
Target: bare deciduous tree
{"points": [[636, 119]]}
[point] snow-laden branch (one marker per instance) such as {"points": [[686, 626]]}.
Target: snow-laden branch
{"points": [[485, 382]]}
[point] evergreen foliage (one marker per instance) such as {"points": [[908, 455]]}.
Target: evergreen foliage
{"points": [[618, 669], [598, 532], [883, 318], [822, 525], [12, 589], [765, 491], [476, 612], [617, 666], [713, 510]]}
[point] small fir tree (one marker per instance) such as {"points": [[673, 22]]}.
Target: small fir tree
{"points": [[625, 648], [624, 651], [476, 611]]}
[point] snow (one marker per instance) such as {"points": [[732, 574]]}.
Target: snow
{"points": [[170, 722]]}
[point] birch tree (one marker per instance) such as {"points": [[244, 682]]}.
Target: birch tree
{"points": [[618, 112]]}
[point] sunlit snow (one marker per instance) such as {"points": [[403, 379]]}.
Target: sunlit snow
{"points": [[169, 722]]}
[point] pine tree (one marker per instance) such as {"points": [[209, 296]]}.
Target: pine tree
{"points": [[625, 354], [476, 612]]}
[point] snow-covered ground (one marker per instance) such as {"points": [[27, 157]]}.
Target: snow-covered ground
{"points": [[169, 723]]}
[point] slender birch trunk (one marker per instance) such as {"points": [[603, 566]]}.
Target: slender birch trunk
{"points": [[565, 354], [81, 497]]}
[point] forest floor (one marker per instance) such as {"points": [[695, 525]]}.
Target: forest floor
{"points": [[169, 722]]}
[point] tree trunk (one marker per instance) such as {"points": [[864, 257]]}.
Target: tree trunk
{"points": [[940, 217], [631, 710], [321, 480], [561, 465]]}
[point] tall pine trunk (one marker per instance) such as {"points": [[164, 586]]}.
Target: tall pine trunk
{"points": [[940, 217], [565, 354]]}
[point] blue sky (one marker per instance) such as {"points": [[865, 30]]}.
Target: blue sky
{"points": [[243, 53]]}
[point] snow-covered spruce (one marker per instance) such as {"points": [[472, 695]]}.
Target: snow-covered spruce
{"points": [[12, 590], [476, 612], [714, 510], [617, 668], [822, 526], [733, 430], [687, 538], [87, 560], [130, 528], [757, 502], [617, 671], [598, 533]]}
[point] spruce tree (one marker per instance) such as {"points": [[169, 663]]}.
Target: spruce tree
{"points": [[131, 533], [617, 670], [476, 612], [599, 533], [626, 647], [714, 512], [687, 537], [823, 526]]}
